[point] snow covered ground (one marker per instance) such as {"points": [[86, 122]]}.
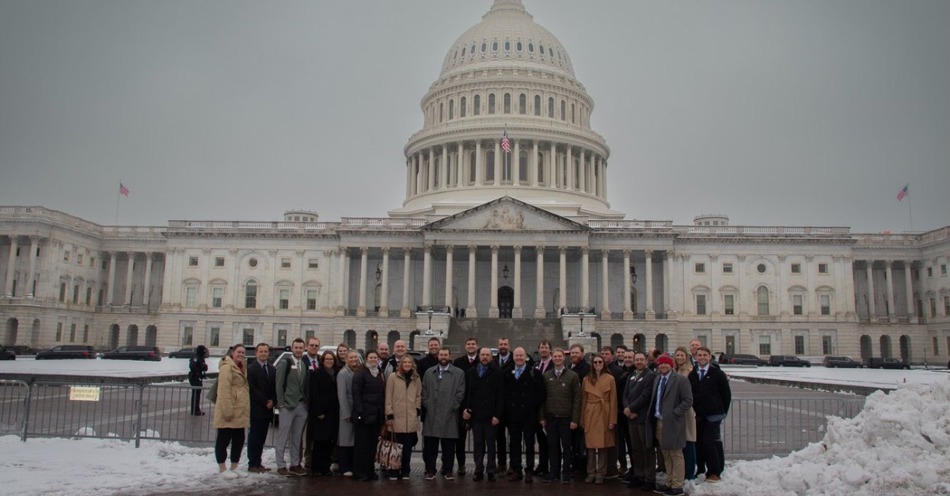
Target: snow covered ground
{"points": [[878, 378]]}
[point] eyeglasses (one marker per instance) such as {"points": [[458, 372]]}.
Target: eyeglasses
{"points": [[313, 345], [598, 361]]}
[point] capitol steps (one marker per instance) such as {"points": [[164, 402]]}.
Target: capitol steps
{"points": [[521, 332]]}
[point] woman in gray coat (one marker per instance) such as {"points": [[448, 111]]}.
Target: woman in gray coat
{"points": [[344, 390]]}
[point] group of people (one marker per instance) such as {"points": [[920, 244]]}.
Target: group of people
{"points": [[653, 412]]}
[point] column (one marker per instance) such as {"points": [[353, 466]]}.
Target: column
{"points": [[111, 289], [539, 310], [516, 311], [128, 278], [605, 293], [427, 276], [147, 285], [479, 164], [341, 308], [34, 242], [460, 177], [668, 283], [498, 160], [364, 259], [516, 164], [562, 300], [872, 312], [582, 173], [890, 291], [11, 266], [493, 308], [448, 275], [417, 171], [569, 159], [470, 310], [627, 311], [445, 166], [585, 278], [384, 286], [405, 312], [408, 177], [648, 286], [552, 167], [911, 311], [430, 171], [533, 173]]}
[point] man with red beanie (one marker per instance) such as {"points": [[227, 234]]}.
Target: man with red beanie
{"points": [[670, 400]]}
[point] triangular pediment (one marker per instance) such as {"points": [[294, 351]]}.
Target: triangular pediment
{"points": [[505, 214]]}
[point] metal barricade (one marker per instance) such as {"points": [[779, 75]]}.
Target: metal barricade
{"points": [[14, 407]]}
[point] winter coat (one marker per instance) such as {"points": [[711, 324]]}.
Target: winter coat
{"points": [[600, 410], [197, 367], [677, 398], [563, 397], [442, 399], [404, 402], [712, 395], [484, 396], [369, 395], [684, 371], [523, 396], [232, 409], [581, 368], [636, 394], [321, 390], [344, 392]]}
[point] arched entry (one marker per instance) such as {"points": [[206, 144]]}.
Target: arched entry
{"points": [[114, 336], [639, 342], [662, 342], [9, 337], [151, 335], [616, 340], [866, 351], [412, 340], [599, 341], [349, 338], [905, 348], [391, 338], [132, 336], [372, 338], [885, 346], [506, 301]]}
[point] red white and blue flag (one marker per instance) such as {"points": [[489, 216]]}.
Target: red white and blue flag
{"points": [[123, 190], [505, 144], [903, 192]]}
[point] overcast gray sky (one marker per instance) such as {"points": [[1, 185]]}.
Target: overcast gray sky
{"points": [[783, 112]]}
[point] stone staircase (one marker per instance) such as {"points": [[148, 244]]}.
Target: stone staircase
{"points": [[521, 332]]}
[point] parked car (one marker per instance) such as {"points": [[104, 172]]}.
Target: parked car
{"points": [[740, 359], [67, 351], [887, 363], [841, 362], [788, 361], [182, 353], [150, 353], [7, 354], [21, 350]]}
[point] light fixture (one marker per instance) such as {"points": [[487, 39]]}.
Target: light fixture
{"points": [[379, 273], [633, 275], [504, 272]]}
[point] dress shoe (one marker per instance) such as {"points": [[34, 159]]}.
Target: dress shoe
{"points": [[528, 477], [477, 477], [256, 470], [491, 478], [661, 489], [515, 477]]}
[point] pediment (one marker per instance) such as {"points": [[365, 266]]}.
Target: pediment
{"points": [[505, 214]]}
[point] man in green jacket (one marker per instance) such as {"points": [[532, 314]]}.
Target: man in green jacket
{"points": [[560, 414]]}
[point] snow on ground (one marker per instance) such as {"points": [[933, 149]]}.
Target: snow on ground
{"points": [[100, 367], [899, 444], [876, 378]]}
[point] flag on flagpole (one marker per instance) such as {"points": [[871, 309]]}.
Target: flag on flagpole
{"points": [[123, 190], [903, 192], [505, 144]]}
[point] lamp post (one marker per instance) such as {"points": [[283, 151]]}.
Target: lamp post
{"points": [[429, 330], [581, 334]]}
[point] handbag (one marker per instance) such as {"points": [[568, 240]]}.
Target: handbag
{"points": [[389, 452]]}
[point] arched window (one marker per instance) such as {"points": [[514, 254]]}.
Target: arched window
{"points": [[490, 166], [573, 121], [462, 103], [540, 168], [537, 105], [451, 109], [551, 107], [507, 103], [441, 111], [471, 168], [477, 105], [563, 110], [491, 103], [762, 295], [522, 104], [250, 295], [523, 166]]}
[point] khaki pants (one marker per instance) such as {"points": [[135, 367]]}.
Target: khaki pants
{"points": [[597, 461], [673, 459]]}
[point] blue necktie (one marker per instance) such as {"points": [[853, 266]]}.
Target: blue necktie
{"points": [[659, 396], [518, 374], [702, 374]]}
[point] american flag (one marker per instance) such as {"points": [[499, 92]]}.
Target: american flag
{"points": [[123, 190], [505, 144], [903, 192]]}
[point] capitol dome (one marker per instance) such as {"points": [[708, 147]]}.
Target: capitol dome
{"points": [[506, 77]]}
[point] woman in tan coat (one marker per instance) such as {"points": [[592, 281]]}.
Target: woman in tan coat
{"points": [[682, 366], [403, 404], [232, 412], [599, 418]]}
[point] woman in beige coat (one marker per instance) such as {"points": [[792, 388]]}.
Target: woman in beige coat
{"points": [[403, 404], [682, 366], [232, 412], [599, 418]]}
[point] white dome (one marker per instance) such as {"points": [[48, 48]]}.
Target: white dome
{"points": [[507, 33]]}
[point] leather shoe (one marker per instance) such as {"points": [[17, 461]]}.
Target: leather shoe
{"points": [[515, 477], [528, 477], [477, 477]]}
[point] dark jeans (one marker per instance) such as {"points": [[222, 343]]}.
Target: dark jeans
{"points": [[320, 463], [543, 450], [195, 397], [430, 451], [707, 434], [407, 440], [256, 436], [364, 449], [559, 446], [579, 450], [234, 437], [689, 460], [484, 436], [344, 457], [502, 443], [522, 432], [623, 440]]}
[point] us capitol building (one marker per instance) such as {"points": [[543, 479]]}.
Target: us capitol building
{"points": [[488, 242]]}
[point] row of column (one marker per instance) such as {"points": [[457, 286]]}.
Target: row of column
{"points": [[888, 270], [452, 168], [471, 311], [11, 266]]}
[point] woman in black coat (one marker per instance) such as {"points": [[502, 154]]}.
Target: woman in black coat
{"points": [[369, 397], [196, 372], [324, 416]]}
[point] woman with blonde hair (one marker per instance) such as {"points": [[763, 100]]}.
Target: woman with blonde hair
{"points": [[598, 418], [683, 366], [403, 404], [232, 412]]}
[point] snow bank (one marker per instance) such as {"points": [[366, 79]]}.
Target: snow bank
{"points": [[899, 444]]}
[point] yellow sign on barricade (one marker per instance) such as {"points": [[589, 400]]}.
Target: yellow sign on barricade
{"points": [[84, 393]]}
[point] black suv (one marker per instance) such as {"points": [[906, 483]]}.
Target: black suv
{"points": [[67, 351], [739, 359], [7, 354], [842, 362], [887, 363], [150, 353], [787, 361], [182, 353]]}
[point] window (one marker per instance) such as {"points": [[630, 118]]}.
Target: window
{"points": [[762, 296], [799, 345], [217, 295], [946, 305], [92, 262], [462, 102], [700, 268], [252, 263], [62, 292], [822, 268], [75, 294], [477, 105], [765, 345], [916, 273], [729, 304], [250, 295], [572, 114], [827, 345], [796, 268], [192, 261], [308, 334], [537, 105], [451, 109], [72, 333], [284, 263], [490, 166], [85, 333], [101, 300], [89, 296], [219, 261], [441, 111], [727, 268], [507, 103], [79, 259], [247, 337], [700, 304], [281, 337], [797, 304], [522, 104], [284, 299], [313, 263], [59, 331], [311, 299], [65, 257], [730, 345], [563, 111], [214, 337], [933, 307], [551, 107], [943, 269], [936, 343], [824, 302], [930, 271], [191, 293], [187, 336], [761, 268], [491, 103]]}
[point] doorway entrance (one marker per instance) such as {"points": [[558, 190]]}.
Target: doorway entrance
{"points": [[506, 301]]}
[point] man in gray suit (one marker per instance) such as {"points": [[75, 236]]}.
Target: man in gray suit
{"points": [[443, 389], [292, 405], [670, 399]]}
